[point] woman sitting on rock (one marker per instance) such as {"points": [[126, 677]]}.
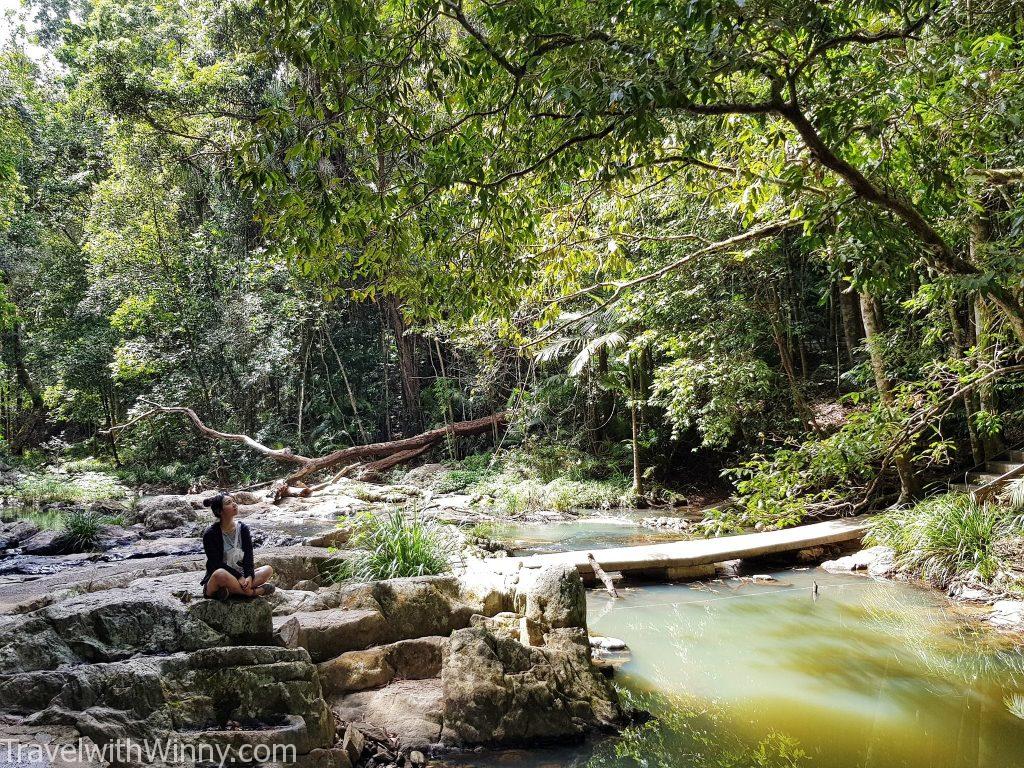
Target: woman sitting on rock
{"points": [[229, 563]]}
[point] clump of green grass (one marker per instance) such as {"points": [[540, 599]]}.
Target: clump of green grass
{"points": [[394, 545], [82, 530], [560, 495], [947, 537]]}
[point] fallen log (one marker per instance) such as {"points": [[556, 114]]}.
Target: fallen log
{"points": [[368, 461], [600, 573]]}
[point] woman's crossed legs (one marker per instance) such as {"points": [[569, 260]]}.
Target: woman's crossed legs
{"points": [[222, 579]]}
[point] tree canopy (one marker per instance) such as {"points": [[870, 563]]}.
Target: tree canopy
{"points": [[758, 236]]}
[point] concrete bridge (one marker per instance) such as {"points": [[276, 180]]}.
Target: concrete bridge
{"points": [[694, 558]]}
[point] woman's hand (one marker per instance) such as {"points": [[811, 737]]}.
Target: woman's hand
{"points": [[245, 583]]}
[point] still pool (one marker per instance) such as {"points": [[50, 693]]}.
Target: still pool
{"points": [[866, 674]]}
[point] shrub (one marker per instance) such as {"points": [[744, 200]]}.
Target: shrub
{"points": [[394, 545], [82, 530], [946, 537]]}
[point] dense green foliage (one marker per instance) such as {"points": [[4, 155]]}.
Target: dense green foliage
{"points": [[395, 545], [779, 237]]}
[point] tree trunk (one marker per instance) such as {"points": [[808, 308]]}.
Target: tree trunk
{"points": [[870, 314], [28, 427], [408, 364], [638, 480], [852, 334], [992, 440], [957, 348]]}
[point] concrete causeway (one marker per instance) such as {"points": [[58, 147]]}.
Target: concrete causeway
{"points": [[694, 558]]}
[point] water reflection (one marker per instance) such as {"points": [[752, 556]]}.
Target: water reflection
{"points": [[870, 674]]}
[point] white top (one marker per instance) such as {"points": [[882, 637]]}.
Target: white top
{"points": [[233, 548]]}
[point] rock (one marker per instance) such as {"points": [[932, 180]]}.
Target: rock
{"points": [[112, 536], [409, 709], [109, 508], [1007, 615], [158, 547], [608, 652], [415, 659], [970, 593], [417, 759], [241, 621], [607, 643], [13, 533], [145, 697], [762, 578], [294, 564], [326, 634], [498, 692], [32, 742], [285, 602], [877, 561], [335, 538], [352, 743], [118, 623], [530, 632], [425, 475], [810, 554], [247, 497], [47, 543], [39, 565], [504, 624], [167, 511], [555, 597]]}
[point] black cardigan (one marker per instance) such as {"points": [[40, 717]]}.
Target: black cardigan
{"points": [[213, 546]]}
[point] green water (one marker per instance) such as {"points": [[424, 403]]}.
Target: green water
{"points": [[869, 675]]}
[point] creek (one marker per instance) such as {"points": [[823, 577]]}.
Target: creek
{"points": [[863, 674]]}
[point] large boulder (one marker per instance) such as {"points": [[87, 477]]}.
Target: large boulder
{"points": [[114, 624], [876, 561], [359, 616], [159, 513], [193, 696], [411, 711], [499, 692], [553, 597], [325, 634]]}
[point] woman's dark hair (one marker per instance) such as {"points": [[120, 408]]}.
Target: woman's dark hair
{"points": [[216, 503]]}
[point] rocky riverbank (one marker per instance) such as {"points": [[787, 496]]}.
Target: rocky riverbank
{"points": [[1000, 610], [170, 525], [382, 673]]}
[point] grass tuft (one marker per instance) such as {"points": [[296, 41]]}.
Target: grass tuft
{"points": [[82, 529], [395, 545], [947, 537]]}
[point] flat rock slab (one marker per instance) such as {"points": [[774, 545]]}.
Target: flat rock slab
{"points": [[326, 634], [410, 709], [415, 659]]}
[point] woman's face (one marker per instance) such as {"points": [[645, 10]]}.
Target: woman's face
{"points": [[229, 508]]}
